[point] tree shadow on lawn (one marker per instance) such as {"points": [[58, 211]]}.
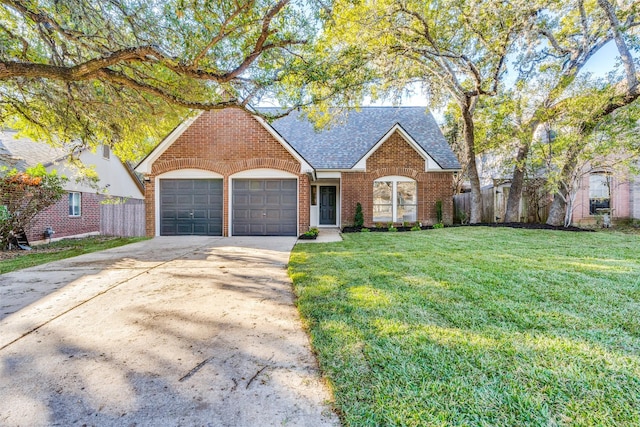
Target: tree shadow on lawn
{"points": [[403, 344]]}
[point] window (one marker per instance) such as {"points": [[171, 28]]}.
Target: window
{"points": [[599, 192], [106, 152], [75, 201], [395, 199], [314, 195]]}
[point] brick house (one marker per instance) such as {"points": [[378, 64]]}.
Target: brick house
{"points": [[82, 211], [229, 172]]}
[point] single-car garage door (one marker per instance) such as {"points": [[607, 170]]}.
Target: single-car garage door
{"points": [[265, 207], [191, 207]]}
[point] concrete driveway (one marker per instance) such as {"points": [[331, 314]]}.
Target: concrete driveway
{"points": [[192, 331]]}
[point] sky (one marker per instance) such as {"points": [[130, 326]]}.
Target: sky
{"points": [[599, 65]]}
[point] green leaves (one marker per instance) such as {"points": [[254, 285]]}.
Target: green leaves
{"points": [[23, 195], [125, 72]]}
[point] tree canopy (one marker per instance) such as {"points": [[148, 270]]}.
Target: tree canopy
{"points": [[125, 72]]}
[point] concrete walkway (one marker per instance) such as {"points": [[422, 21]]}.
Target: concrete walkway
{"points": [[170, 331], [326, 235]]}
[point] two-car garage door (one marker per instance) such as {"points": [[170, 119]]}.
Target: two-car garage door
{"points": [[260, 207]]}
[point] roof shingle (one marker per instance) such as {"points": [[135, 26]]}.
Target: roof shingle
{"points": [[344, 143]]}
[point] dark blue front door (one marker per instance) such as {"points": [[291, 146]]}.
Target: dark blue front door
{"points": [[327, 205]]}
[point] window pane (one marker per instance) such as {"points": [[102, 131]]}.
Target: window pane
{"points": [[382, 213], [382, 201], [598, 186], [406, 213], [407, 193], [314, 195], [595, 206], [74, 204], [382, 193]]}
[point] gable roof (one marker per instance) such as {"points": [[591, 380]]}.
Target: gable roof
{"points": [[352, 138], [22, 153], [144, 166]]}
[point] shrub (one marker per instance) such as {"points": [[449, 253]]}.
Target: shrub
{"points": [[438, 225], [365, 230], [439, 211], [359, 218], [392, 228], [24, 195], [416, 228]]}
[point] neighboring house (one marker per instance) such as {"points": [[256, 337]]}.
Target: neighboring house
{"points": [[83, 210], [600, 190], [231, 173]]}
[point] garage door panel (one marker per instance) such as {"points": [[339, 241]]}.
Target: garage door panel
{"points": [[272, 199], [184, 199], [169, 199], [290, 185], [169, 214], [273, 185], [201, 200], [288, 214], [265, 207], [288, 199], [191, 207], [185, 184], [256, 185], [256, 199], [255, 214]]}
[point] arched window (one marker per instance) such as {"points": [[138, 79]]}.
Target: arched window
{"points": [[395, 199]]}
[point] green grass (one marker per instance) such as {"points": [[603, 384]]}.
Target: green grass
{"points": [[475, 326], [62, 249]]}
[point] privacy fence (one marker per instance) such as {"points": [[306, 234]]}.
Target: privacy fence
{"points": [[494, 205], [123, 219]]}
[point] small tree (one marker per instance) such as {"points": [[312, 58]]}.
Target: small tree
{"points": [[359, 218], [24, 195]]}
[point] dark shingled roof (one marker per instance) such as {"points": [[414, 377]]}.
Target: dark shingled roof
{"points": [[22, 153], [346, 142]]}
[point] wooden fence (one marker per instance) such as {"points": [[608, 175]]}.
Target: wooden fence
{"points": [[123, 219], [462, 206], [494, 205]]}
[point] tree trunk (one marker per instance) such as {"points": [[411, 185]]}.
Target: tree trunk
{"points": [[472, 169], [558, 209], [512, 213]]}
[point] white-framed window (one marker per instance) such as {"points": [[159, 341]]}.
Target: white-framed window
{"points": [[395, 199], [106, 152], [599, 192], [75, 204]]}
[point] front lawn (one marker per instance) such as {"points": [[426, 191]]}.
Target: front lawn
{"points": [[476, 326]]}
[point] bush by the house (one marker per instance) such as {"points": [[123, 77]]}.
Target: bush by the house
{"points": [[24, 195]]}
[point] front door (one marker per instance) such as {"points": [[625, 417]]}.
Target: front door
{"points": [[328, 205]]}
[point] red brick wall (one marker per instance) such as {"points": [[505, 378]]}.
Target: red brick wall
{"points": [[396, 157], [226, 142], [57, 217]]}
